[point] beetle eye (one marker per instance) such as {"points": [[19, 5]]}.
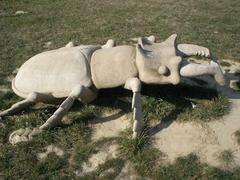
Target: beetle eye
{"points": [[163, 70]]}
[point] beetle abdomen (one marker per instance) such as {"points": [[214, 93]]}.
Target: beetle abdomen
{"points": [[54, 72]]}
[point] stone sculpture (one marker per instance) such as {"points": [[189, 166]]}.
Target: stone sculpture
{"points": [[77, 72]]}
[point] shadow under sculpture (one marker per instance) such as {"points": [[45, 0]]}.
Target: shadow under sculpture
{"points": [[78, 72]]}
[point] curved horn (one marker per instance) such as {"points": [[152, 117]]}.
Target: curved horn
{"points": [[140, 42], [141, 50], [171, 40]]}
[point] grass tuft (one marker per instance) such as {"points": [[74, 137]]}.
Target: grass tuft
{"points": [[226, 157], [190, 167], [237, 135], [207, 110], [139, 152], [224, 63]]}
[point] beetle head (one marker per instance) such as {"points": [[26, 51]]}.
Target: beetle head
{"points": [[158, 63]]}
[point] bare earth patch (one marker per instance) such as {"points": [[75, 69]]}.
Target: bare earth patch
{"points": [[50, 149], [206, 140], [110, 124], [127, 172], [104, 154]]}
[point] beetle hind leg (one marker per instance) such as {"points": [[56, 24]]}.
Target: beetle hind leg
{"points": [[15, 108], [27, 134]]}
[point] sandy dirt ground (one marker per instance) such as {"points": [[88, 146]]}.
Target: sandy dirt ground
{"points": [[207, 140], [110, 124]]}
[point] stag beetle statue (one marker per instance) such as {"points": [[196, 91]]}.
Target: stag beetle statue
{"points": [[77, 72]]}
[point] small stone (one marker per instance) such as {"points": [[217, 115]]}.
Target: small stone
{"points": [[15, 71], [160, 100], [193, 105], [235, 85], [47, 44], [20, 12]]}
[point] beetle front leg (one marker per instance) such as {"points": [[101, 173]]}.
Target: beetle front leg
{"points": [[192, 69], [134, 84]]}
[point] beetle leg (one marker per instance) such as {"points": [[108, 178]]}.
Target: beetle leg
{"points": [[192, 50], [15, 108], [134, 85], [55, 119], [27, 134]]}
